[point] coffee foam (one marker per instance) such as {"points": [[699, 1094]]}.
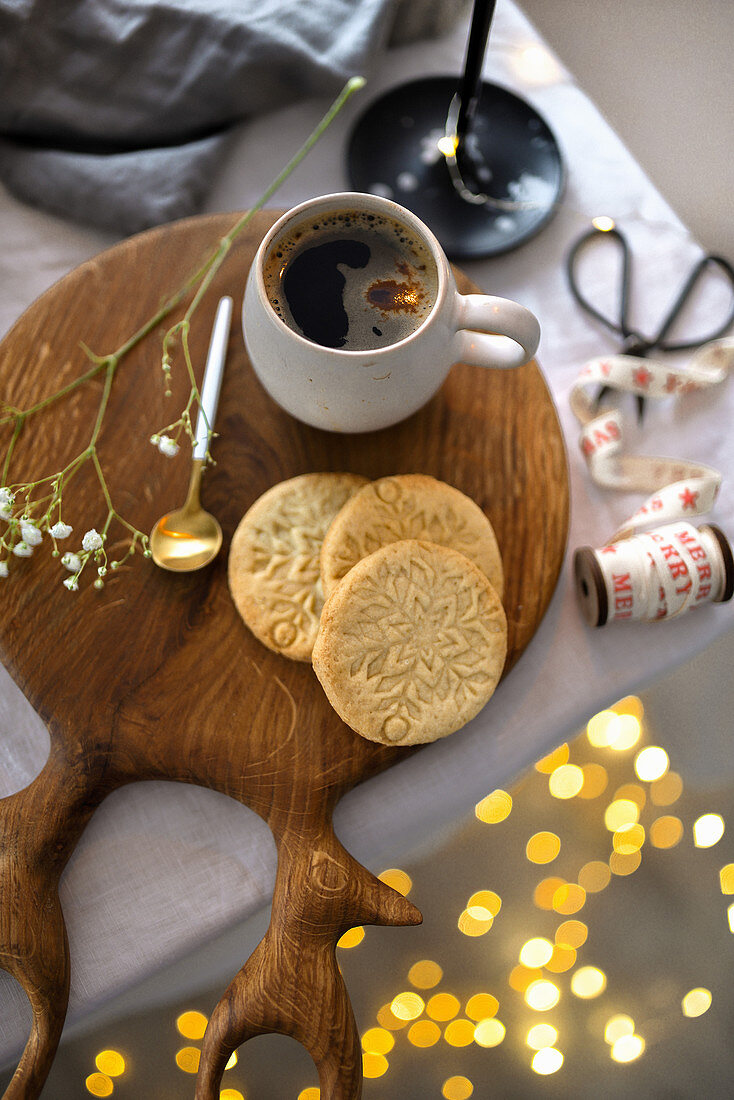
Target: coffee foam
{"points": [[376, 303]]}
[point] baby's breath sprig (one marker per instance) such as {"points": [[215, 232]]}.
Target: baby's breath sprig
{"points": [[32, 509]]}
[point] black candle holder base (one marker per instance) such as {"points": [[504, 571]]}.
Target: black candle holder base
{"points": [[511, 169]]}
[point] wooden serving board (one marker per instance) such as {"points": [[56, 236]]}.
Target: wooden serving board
{"points": [[156, 677]]}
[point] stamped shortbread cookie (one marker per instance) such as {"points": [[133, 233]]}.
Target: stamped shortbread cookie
{"points": [[409, 506], [412, 643], [274, 559]]}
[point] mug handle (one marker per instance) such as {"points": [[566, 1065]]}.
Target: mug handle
{"points": [[495, 332]]}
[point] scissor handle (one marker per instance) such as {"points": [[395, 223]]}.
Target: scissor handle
{"points": [[621, 325], [634, 341], [678, 305]]}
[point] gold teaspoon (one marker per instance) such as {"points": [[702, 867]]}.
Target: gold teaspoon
{"points": [[190, 537]]}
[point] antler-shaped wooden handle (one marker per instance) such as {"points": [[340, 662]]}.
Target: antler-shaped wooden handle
{"points": [[291, 984], [41, 826]]}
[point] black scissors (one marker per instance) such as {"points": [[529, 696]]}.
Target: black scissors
{"points": [[633, 342]]}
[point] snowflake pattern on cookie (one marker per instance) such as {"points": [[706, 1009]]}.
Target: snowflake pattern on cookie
{"points": [[409, 506], [274, 559], [412, 643]]}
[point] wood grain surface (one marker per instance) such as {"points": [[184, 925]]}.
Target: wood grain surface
{"points": [[157, 677]]}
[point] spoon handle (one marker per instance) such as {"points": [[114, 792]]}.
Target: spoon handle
{"points": [[213, 376]]}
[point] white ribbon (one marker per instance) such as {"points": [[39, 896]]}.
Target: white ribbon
{"points": [[680, 489]]}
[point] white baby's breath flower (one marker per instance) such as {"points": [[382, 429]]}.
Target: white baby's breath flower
{"points": [[6, 497], [6, 504], [30, 533], [72, 562], [4, 569], [22, 550], [168, 446], [72, 584], [60, 530], [92, 540]]}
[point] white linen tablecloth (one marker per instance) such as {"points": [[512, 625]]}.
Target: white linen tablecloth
{"points": [[163, 866]]}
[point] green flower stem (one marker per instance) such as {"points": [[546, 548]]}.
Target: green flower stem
{"points": [[199, 282]]}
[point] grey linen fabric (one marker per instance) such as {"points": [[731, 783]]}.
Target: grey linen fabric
{"points": [[115, 112]]}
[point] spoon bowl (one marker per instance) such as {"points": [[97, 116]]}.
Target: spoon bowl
{"points": [[189, 538]]}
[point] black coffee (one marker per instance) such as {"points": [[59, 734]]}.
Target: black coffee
{"points": [[351, 279]]}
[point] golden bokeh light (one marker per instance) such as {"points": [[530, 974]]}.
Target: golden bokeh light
{"points": [[351, 937], [562, 959], [399, 880], [595, 780], [457, 1088], [485, 899], [232, 1062], [425, 974], [231, 1094], [569, 898], [542, 995], [459, 1033], [566, 781], [110, 1062], [572, 933], [594, 876], [521, 977], [536, 952], [603, 223], [627, 1048], [310, 1093], [407, 1006], [730, 916], [99, 1084], [545, 891], [443, 1006], [666, 831], [475, 921], [652, 763], [627, 733], [424, 1033], [481, 1006], [621, 865], [447, 145], [708, 830], [588, 982], [495, 807], [547, 1060], [601, 729], [543, 847], [666, 791], [553, 760], [726, 879], [386, 1018], [634, 792], [696, 1002], [540, 1036], [377, 1040], [618, 1026], [374, 1065], [628, 840], [631, 704], [192, 1025], [620, 813], [489, 1032], [187, 1059]]}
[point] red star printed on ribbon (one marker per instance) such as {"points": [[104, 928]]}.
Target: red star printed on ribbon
{"points": [[689, 498], [642, 377]]}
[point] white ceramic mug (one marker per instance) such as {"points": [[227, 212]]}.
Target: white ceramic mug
{"points": [[355, 391]]}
